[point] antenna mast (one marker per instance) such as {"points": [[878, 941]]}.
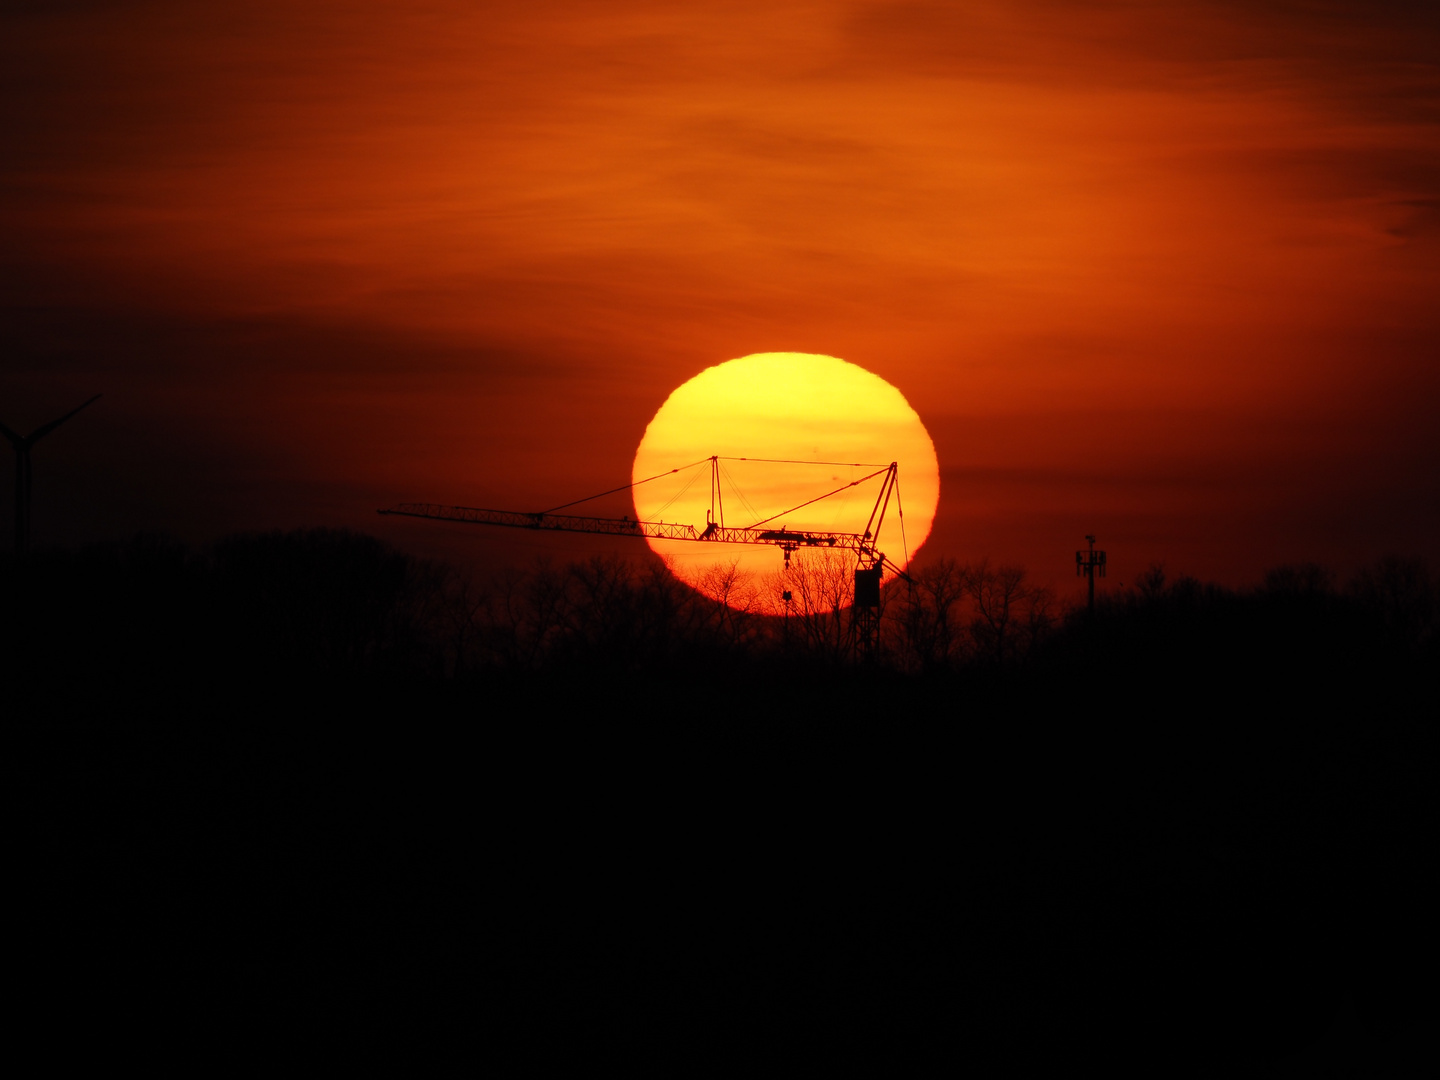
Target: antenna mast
{"points": [[1087, 565]]}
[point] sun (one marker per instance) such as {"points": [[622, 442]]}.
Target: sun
{"points": [[785, 427]]}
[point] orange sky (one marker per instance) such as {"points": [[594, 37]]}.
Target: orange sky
{"points": [[1171, 276]]}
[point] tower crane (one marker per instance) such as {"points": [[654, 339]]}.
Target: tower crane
{"points": [[871, 563]]}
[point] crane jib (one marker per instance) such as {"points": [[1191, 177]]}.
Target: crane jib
{"points": [[658, 530]]}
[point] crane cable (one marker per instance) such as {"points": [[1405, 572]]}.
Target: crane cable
{"points": [[900, 510], [817, 498], [626, 487], [776, 461], [669, 502], [791, 461], [736, 488]]}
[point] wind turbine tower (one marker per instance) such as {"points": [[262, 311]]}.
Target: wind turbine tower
{"points": [[22, 444]]}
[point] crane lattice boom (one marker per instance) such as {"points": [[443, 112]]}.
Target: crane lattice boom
{"points": [[659, 530]]}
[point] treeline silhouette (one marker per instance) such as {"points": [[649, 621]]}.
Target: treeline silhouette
{"points": [[335, 603], [306, 783]]}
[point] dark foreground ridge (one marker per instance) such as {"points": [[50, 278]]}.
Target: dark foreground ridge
{"points": [[305, 785]]}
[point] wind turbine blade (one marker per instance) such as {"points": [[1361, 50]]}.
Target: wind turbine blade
{"points": [[15, 440], [40, 432]]}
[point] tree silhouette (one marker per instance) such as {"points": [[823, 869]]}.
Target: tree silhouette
{"points": [[933, 633], [1403, 597], [1151, 581], [737, 598], [821, 584], [1300, 579], [1011, 614]]}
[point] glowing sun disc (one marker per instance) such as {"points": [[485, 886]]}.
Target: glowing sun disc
{"points": [[788, 408]]}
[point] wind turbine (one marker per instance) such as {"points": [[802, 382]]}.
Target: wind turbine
{"points": [[22, 445]]}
